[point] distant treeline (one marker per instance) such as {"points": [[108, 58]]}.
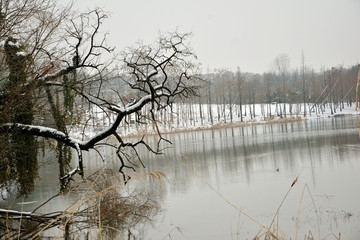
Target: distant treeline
{"points": [[305, 87], [228, 96]]}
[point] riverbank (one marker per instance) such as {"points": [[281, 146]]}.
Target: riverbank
{"points": [[220, 125], [196, 117], [234, 124]]}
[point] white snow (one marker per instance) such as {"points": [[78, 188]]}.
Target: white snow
{"points": [[130, 108], [51, 75], [27, 203], [153, 72], [11, 43], [187, 117], [42, 129], [22, 53], [14, 212], [72, 172]]}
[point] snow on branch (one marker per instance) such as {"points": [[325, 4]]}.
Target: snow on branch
{"points": [[40, 131]]}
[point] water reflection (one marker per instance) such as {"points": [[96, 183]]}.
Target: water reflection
{"points": [[241, 151], [246, 160], [18, 163], [98, 207]]}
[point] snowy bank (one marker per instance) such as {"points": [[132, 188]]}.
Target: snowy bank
{"points": [[189, 117]]}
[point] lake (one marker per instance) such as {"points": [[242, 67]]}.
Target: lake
{"points": [[253, 167], [212, 174]]}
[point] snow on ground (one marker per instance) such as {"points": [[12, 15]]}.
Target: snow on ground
{"points": [[185, 117]]}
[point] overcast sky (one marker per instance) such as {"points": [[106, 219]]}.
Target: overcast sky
{"points": [[243, 33]]}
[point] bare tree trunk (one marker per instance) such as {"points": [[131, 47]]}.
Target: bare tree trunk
{"points": [[231, 105], [268, 94], [210, 105], [224, 106], [253, 101], [330, 101], [201, 112], [240, 84], [303, 80]]}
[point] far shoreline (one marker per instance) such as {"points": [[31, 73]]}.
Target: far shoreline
{"points": [[236, 124]]}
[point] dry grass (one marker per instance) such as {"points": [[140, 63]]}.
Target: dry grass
{"points": [[101, 209]]}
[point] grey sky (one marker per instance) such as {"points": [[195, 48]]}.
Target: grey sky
{"points": [[244, 33]]}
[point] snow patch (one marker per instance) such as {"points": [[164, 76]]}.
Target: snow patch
{"points": [[22, 53], [11, 43], [153, 72], [186, 117], [14, 212], [52, 75]]}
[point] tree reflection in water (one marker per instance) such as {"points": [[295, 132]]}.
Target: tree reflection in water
{"points": [[18, 163], [100, 205]]}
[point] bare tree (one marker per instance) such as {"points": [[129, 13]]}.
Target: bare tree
{"points": [[240, 86], [210, 100], [67, 54], [281, 65], [303, 80], [267, 77]]}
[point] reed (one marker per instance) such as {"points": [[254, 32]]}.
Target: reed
{"points": [[101, 209]]}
